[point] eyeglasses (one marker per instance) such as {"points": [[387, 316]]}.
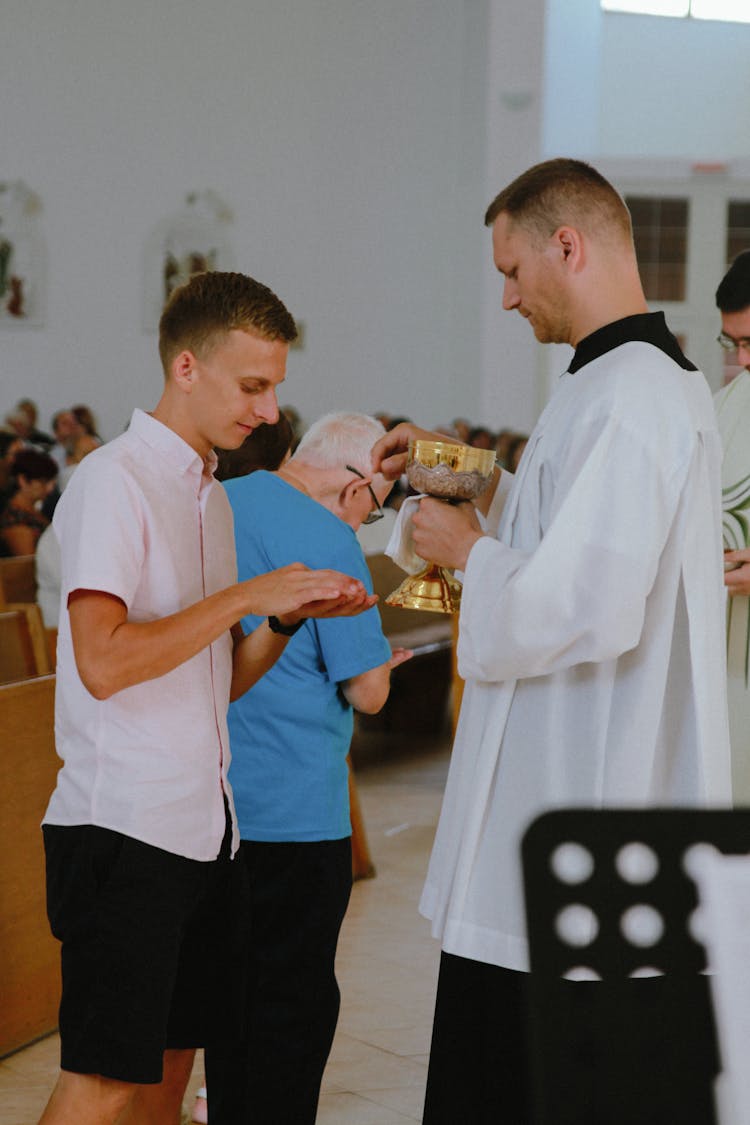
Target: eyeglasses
{"points": [[729, 343], [377, 512]]}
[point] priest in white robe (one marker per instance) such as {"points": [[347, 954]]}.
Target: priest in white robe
{"points": [[733, 413], [590, 631]]}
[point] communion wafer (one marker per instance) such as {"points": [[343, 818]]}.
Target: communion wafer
{"points": [[446, 482]]}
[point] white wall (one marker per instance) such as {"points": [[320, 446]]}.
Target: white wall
{"points": [[619, 85], [344, 134], [674, 87], [572, 68], [515, 105], [358, 143]]}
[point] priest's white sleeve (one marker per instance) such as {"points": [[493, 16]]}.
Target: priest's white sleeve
{"points": [[580, 594], [491, 521]]}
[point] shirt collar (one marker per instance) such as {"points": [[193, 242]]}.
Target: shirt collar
{"points": [[165, 441], [648, 328]]}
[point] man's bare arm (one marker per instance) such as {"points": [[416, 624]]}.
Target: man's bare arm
{"points": [[369, 691], [256, 652], [113, 653]]}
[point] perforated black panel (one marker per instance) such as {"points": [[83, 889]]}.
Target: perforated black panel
{"points": [[619, 1050]]}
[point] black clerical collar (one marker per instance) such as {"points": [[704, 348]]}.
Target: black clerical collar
{"points": [[648, 328]]}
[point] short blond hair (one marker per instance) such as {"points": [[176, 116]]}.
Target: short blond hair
{"points": [[563, 192], [202, 312]]}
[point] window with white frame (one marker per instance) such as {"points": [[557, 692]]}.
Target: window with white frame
{"points": [[660, 233], [731, 11], [686, 234]]}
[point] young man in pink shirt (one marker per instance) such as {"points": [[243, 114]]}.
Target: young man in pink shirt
{"points": [[140, 828]]}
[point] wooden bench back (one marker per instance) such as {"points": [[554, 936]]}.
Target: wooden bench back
{"points": [[29, 955], [17, 661], [24, 646], [17, 579], [39, 638]]}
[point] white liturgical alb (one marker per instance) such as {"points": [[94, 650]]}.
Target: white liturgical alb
{"points": [[591, 630]]}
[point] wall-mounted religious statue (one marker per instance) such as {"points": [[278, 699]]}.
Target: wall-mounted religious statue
{"points": [[22, 255], [193, 240]]}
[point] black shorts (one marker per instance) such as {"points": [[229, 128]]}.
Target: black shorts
{"points": [[151, 950]]}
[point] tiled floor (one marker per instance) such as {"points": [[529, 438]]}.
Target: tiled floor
{"points": [[387, 964]]}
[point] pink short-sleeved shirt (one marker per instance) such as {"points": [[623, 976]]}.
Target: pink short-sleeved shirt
{"points": [[144, 520]]}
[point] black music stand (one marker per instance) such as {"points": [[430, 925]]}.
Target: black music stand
{"points": [[621, 1051]]}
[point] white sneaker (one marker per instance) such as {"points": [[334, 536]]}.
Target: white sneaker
{"points": [[200, 1109]]}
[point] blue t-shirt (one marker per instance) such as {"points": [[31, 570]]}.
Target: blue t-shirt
{"points": [[291, 732]]}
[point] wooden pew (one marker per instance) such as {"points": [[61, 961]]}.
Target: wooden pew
{"points": [[18, 591], [29, 955], [40, 644], [17, 658], [362, 865], [17, 579]]}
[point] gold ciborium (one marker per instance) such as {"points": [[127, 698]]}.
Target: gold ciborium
{"points": [[448, 472]]}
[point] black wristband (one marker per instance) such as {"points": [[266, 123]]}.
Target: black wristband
{"points": [[285, 630]]}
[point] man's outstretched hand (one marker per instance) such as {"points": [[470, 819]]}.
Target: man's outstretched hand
{"points": [[295, 591], [737, 580]]}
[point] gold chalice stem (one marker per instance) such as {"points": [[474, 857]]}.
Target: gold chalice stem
{"points": [[434, 588]]}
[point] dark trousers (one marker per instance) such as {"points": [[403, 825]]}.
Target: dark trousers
{"points": [[656, 1067], [478, 1072], [299, 893]]}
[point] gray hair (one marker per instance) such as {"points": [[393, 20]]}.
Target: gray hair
{"points": [[340, 439]]}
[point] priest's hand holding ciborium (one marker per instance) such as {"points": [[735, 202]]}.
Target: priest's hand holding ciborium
{"points": [[443, 529]]}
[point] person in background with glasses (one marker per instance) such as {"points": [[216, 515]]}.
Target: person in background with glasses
{"points": [[733, 412], [290, 736]]}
